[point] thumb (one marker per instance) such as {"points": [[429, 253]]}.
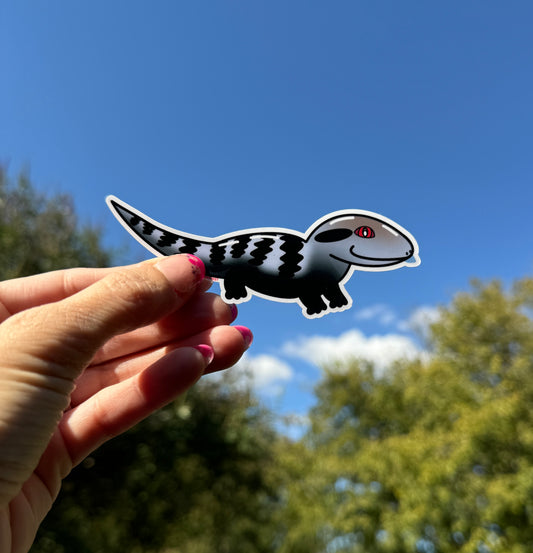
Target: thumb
{"points": [[59, 339], [43, 349]]}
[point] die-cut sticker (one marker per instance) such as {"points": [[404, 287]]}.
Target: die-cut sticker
{"points": [[283, 265]]}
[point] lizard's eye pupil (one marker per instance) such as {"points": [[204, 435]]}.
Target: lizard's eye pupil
{"points": [[364, 232]]}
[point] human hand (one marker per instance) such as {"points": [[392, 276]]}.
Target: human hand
{"points": [[87, 353]]}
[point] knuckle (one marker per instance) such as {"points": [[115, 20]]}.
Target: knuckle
{"points": [[133, 286], [140, 292]]}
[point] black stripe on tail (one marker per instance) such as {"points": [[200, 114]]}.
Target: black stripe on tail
{"points": [[167, 239]]}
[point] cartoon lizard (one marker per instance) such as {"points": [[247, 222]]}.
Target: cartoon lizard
{"points": [[284, 265]]}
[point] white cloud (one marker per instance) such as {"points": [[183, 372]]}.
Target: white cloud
{"points": [[266, 374], [382, 350], [267, 369], [380, 312], [420, 320]]}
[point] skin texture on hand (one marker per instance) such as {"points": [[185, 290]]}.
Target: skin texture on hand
{"points": [[87, 353]]}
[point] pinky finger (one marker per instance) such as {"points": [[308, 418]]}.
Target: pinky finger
{"points": [[117, 408]]}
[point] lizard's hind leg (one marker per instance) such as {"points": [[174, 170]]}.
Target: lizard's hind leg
{"points": [[234, 289], [313, 303]]}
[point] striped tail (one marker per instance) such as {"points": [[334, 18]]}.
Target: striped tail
{"points": [[154, 236]]}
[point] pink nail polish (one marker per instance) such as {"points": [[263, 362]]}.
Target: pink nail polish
{"points": [[206, 351], [198, 265], [246, 334], [173, 269]]}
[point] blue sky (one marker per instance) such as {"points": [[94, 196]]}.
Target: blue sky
{"points": [[218, 116]]}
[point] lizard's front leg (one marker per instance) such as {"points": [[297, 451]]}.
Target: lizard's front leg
{"points": [[336, 296]]}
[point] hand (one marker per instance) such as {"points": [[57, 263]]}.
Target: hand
{"points": [[87, 353]]}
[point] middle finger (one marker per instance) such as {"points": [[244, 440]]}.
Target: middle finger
{"points": [[202, 312]]}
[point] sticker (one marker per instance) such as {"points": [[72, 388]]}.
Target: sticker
{"points": [[283, 265]]}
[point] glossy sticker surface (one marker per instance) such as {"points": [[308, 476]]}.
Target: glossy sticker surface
{"points": [[309, 268]]}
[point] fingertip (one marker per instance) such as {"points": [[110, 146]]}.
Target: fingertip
{"points": [[207, 353], [234, 311], [198, 265], [228, 343], [205, 284], [246, 334], [183, 279]]}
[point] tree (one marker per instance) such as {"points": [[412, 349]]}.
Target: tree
{"points": [[434, 456], [199, 476], [40, 233]]}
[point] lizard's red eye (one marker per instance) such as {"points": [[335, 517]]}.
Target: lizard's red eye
{"points": [[364, 232]]}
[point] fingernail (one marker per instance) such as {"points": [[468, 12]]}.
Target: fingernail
{"points": [[173, 270], [206, 351], [234, 311], [199, 267], [246, 334]]}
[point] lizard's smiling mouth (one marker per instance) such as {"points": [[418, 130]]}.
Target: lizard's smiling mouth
{"points": [[352, 251], [383, 261]]}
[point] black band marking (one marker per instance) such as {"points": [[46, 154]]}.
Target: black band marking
{"points": [[239, 247], [261, 251], [217, 254], [167, 239], [189, 245], [291, 258], [148, 228]]}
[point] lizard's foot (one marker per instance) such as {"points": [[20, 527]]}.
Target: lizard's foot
{"points": [[313, 305], [338, 301], [234, 291], [336, 297]]}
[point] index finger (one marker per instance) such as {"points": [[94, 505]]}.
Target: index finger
{"points": [[22, 293]]}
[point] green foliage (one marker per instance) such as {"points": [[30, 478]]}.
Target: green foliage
{"points": [[435, 456], [196, 477], [40, 233]]}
